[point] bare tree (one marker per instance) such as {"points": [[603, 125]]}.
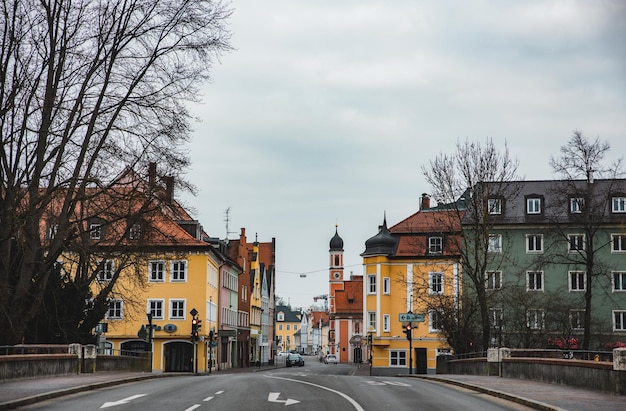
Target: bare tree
{"points": [[470, 182], [87, 89], [587, 184]]}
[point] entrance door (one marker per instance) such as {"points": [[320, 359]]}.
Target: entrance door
{"points": [[357, 355], [421, 366], [179, 357]]}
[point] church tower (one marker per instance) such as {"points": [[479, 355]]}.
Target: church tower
{"points": [[336, 258], [335, 272]]}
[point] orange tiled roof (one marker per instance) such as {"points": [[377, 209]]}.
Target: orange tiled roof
{"points": [[350, 299]]}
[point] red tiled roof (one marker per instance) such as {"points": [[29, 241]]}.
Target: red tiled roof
{"points": [[350, 299]]}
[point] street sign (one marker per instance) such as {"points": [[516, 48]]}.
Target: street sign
{"points": [[411, 318]]}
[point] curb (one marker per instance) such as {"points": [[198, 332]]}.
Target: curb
{"points": [[21, 402], [495, 393]]}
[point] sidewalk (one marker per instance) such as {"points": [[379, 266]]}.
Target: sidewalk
{"points": [[538, 395]]}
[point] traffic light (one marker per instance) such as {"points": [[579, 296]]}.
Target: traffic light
{"points": [[194, 329], [407, 331]]}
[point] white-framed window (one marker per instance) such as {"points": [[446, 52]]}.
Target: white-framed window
{"points": [[534, 319], [493, 280], [288, 327], [95, 231], [619, 204], [280, 316], [577, 280], [371, 284], [134, 233], [576, 242], [534, 280], [494, 206], [495, 243], [244, 292], [386, 322], [576, 205], [619, 320], [577, 319], [397, 358], [386, 285], [211, 310], [156, 271], [52, 231], [178, 271], [618, 243], [280, 327], [177, 309], [212, 275], [116, 309], [106, 268], [533, 206], [435, 283], [534, 243], [434, 321], [435, 245], [155, 307], [371, 321], [619, 281], [295, 327]]}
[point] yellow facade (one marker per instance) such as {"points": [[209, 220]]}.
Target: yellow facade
{"points": [[396, 287], [287, 324], [169, 295]]}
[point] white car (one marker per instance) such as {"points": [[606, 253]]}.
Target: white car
{"points": [[331, 359]]}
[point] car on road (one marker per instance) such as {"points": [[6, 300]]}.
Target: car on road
{"points": [[294, 359], [331, 359]]}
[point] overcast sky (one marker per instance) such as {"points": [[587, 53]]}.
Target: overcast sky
{"points": [[327, 110]]}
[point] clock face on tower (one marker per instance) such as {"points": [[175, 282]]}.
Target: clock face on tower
{"points": [[336, 275]]}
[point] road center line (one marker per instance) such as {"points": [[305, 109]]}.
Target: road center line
{"points": [[193, 407], [355, 404]]}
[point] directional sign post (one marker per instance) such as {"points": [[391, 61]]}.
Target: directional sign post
{"points": [[411, 318]]}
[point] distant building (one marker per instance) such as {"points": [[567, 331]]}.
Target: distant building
{"points": [[287, 323], [346, 334]]}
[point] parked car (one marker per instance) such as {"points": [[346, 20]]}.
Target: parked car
{"points": [[294, 359], [331, 359]]}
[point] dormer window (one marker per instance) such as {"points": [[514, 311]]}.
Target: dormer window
{"points": [[576, 205], [134, 233], [619, 204], [280, 316], [494, 206], [435, 245], [95, 231], [533, 205]]}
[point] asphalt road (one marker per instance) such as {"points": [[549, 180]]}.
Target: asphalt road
{"points": [[312, 387]]}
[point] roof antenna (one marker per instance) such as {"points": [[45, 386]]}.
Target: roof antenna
{"points": [[227, 221]]}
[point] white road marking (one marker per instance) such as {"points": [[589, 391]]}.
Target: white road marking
{"points": [[193, 407], [273, 397], [121, 402], [219, 392], [355, 404], [208, 399]]}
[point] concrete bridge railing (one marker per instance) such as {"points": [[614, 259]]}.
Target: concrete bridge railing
{"points": [[592, 374], [29, 361]]}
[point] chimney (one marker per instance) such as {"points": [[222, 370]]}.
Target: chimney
{"points": [[152, 174], [425, 201], [169, 188]]}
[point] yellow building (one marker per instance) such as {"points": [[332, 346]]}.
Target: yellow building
{"points": [[287, 324], [410, 270]]}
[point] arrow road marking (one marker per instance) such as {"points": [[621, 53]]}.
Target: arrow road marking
{"points": [[273, 397], [121, 402]]}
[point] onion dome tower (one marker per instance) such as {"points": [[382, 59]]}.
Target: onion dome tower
{"points": [[382, 243]]}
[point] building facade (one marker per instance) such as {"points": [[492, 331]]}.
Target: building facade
{"points": [[409, 270], [559, 254], [345, 302]]}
